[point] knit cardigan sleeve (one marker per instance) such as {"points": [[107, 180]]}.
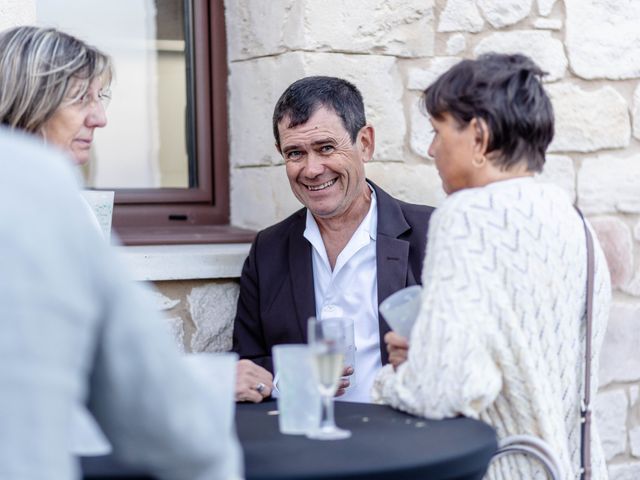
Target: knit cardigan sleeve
{"points": [[451, 367]]}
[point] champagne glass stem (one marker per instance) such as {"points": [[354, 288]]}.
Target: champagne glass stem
{"points": [[327, 420]]}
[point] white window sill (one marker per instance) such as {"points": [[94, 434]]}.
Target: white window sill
{"points": [[185, 262]]}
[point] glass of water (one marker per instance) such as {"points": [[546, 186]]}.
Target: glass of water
{"points": [[328, 344]]}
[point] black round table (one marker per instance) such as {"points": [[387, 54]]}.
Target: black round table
{"points": [[385, 444]]}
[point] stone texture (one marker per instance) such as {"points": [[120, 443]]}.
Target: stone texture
{"points": [[460, 16], [456, 44], [411, 183], [421, 78], [545, 7], [17, 12], [603, 38], [386, 27], [254, 89], [176, 330], [634, 442], [636, 112], [615, 238], [545, 50], [588, 120], [611, 414], [256, 85], [559, 170], [619, 360], [212, 308], [421, 129], [548, 23], [633, 395], [258, 28], [607, 184], [501, 13], [624, 471], [162, 302], [261, 197]]}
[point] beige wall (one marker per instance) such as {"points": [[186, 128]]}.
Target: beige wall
{"points": [[392, 50]]}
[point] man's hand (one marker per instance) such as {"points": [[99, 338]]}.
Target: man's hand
{"points": [[344, 382], [253, 383], [398, 348]]}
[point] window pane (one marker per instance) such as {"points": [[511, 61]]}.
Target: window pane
{"points": [[148, 142]]}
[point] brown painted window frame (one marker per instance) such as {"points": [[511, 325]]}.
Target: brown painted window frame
{"points": [[199, 214]]}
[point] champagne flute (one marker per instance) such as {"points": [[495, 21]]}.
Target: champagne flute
{"points": [[327, 341]]}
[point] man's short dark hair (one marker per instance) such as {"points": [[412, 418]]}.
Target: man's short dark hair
{"points": [[506, 92], [303, 97]]}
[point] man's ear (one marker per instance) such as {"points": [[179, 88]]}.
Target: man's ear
{"points": [[366, 142]]}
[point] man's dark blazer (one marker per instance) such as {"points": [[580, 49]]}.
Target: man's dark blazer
{"points": [[276, 287]]}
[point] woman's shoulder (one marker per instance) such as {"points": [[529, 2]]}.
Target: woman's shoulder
{"points": [[492, 202]]}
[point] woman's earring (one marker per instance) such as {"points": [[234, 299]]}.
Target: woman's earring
{"points": [[479, 161]]}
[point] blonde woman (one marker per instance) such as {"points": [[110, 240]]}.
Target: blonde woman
{"points": [[55, 86]]}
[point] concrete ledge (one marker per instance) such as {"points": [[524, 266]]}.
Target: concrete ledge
{"points": [[185, 262]]}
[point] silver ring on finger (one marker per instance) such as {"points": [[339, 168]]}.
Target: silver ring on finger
{"points": [[260, 387]]}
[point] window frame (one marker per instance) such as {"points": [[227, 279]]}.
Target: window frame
{"points": [[200, 214]]}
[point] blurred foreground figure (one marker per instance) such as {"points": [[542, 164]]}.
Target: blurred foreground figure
{"points": [[74, 328]]}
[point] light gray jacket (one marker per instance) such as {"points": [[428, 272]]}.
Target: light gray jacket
{"points": [[74, 328]]}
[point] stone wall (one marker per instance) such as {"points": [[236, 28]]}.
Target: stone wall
{"points": [[392, 50]]}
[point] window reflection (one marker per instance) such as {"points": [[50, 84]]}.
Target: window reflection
{"points": [[147, 141]]}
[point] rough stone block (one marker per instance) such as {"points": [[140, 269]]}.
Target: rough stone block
{"points": [[615, 238], [403, 29], [261, 197], [588, 120], [421, 78], [256, 85], [633, 394], [213, 308], [421, 129], [603, 38], [545, 50], [611, 413], [624, 471], [176, 330], [619, 359], [634, 441], [17, 12], [501, 13], [254, 89], [559, 170], [456, 44], [460, 16], [257, 28], [548, 23], [636, 112], [545, 7], [608, 184], [162, 302], [411, 183]]}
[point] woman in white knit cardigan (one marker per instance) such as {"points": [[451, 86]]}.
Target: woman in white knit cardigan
{"points": [[501, 330]]}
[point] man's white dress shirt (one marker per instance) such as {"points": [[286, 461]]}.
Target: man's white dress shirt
{"points": [[351, 291]]}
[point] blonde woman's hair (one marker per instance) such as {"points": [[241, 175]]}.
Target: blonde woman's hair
{"points": [[42, 69]]}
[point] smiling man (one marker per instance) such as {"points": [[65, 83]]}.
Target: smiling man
{"points": [[352, 245]]}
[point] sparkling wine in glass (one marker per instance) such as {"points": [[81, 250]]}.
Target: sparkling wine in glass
{"points": [[327, 341]]}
